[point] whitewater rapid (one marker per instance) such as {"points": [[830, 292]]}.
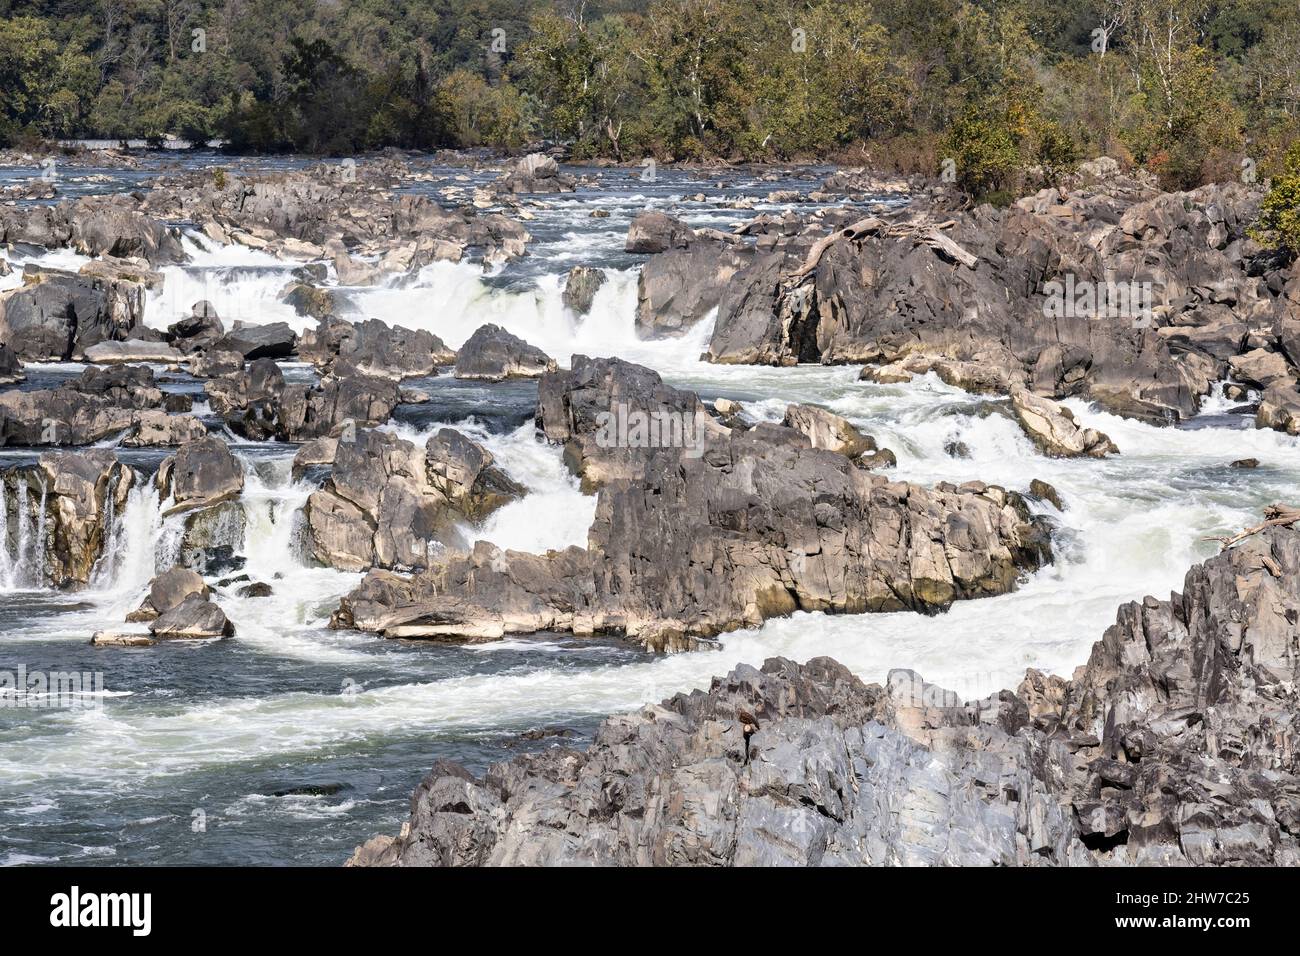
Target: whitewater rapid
{"points": [[287, 694]]}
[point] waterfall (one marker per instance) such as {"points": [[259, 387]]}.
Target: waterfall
{"points": [[22, 564], [272, 503], [6, 562]]}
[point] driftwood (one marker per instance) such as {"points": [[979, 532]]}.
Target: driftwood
{"points": [[860, 228], [1275, 516], [919, 230]]}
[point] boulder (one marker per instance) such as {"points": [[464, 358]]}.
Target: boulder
{"points": [[11, 370], [535, 173], [274, 340], [825, 429], [493, 354], [1279, 408], [131, 351], [1052, 428], [390, 504], [374, 348], [199, 330], [678, 287], [202, 473], [57, 315], [167, 591], [580, 287], [1150, 755], [151, 429], [653, 231], [195, 618]]}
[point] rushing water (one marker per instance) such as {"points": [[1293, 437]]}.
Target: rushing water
{"points": [[292, 742]]}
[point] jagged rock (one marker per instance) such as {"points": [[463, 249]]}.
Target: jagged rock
{"points": [[1154, 753], [157, 428], [94, 226], [315, 453], [535, 173], [202, 473], [1279, 408], [312, 300], [493, 354], [257, 404], [653, 231], [827, 430], [580, 287], [98, 404], [374, 348], [1045, 491], [167, 591], [1245, 463], [1261, 369], [610, 415], [390, 504], [990, 291], [201, 329], [11, 370], [57, 315], [680, 286], [195, 618], [759, 525], [1052, 428], [258, 589], [273, 340]]}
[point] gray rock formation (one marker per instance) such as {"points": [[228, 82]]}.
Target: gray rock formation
{"points": [[195, 618], [274, 340], [373, 348], [580, 287], [655, 231], [535, 173], [1175, 744], [56, 315], [680, 286], [11, 369], [1053, 429], [493, 354], [167, 591], [391, 504], [201, 474], [98, 404], [825, 429]]}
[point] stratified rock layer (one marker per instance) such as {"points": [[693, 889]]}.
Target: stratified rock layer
{"points": [[1175, 744]]}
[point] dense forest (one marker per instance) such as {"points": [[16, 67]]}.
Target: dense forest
{"points": [[1191, 89]]}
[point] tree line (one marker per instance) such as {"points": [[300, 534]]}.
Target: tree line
{"points": [[1193, 90]]}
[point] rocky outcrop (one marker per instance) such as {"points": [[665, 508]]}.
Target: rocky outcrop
{"points": [[57, 315], [100, 403], [610, 414], [94, 226], [1051, 294], [681, 286], [195, 618], [201, 474], [825, 429], [580, 287], [257, 403], [373, 348], [391, 504], [152, 429], [167, 591], [655, 231], [693, 539], [535, 173], [63, 509], [1053, 429], [493, 354], [1175, 744], [273, 340]]}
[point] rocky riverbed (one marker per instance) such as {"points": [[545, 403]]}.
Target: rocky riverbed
{"points": [[334, 470]]}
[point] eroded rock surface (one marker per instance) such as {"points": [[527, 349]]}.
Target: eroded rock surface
{"points": [[1175, 744]]}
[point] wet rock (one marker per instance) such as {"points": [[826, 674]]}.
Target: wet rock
{"points": [[167, 591], [200, 330], [374, 348], [1052, 428], [11, 370], [1261, 369], [956, 449], [1246, 463], [274, 340], [825, 429], [94, 226], [312, 300], [100, 403], [654, 231], [316, 453], [57, 315], [391, 504], [535, 173], [680, 286], [689, 545], [258, 589], [195, 618], [122, 639], [1044, 491], [201, 474], [1279, 408], [1151, 754], [493, 354], [580, 287]]}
